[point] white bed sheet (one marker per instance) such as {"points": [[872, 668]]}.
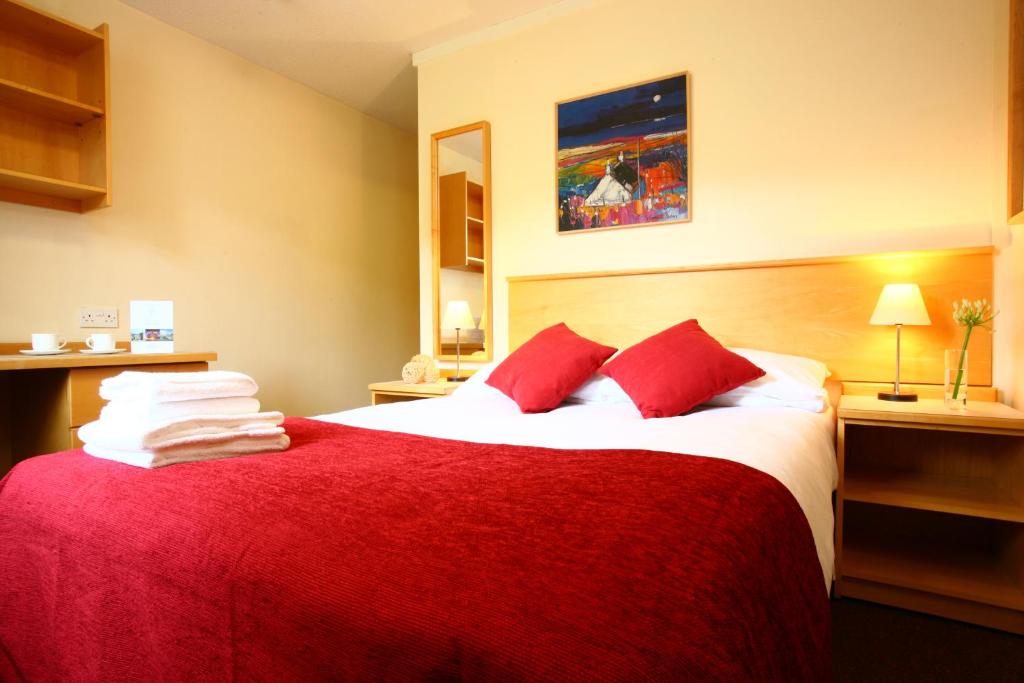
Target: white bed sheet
{"points": [[795, 447]]}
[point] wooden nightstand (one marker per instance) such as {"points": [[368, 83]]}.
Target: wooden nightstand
{"points": [[398, 391], [930, 508]]}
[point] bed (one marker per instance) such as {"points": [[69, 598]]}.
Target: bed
{"points": [[453, 538], [381, 548]]}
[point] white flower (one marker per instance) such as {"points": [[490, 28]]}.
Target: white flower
{"points": [[973, 314]]}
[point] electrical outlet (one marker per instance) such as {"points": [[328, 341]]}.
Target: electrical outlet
{"points": [[97, 317]]}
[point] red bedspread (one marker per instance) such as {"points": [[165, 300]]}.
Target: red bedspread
{"points": [[367, 555]]}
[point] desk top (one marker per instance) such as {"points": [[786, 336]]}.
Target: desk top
{"points": [[74, 359]]}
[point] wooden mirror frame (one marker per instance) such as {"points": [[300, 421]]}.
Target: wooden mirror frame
{"points": [[435, 240], [1015, 102]]}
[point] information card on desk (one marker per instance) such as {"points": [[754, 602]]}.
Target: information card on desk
{"points": [[152, 326]]}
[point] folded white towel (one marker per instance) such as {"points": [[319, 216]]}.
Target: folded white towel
{"points": [[154, 414], [199, 448], [130, 436], [176, 386]]}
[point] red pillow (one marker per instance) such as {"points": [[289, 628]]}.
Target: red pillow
{"points": [[677, 369], [543, 371]]}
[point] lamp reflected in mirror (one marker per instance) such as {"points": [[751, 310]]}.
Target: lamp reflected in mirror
{"points": [[458, 317]]}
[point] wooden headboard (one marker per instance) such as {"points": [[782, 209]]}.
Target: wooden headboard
{"points": [[811, 307]]}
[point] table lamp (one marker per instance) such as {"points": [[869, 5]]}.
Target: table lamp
{"points": [[457, 316], [899, 305]]}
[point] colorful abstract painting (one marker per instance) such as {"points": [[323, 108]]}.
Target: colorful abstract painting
{"points": [[623, 157]]}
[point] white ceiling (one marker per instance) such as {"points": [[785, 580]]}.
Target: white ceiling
{"points": [[356, 51]]}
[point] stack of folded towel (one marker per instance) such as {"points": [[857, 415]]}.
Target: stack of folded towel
{"points": [[154, 419]]}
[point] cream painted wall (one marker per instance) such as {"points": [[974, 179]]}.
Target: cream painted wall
{"points": [[1008, 340], [280, 222], [818, 128]]}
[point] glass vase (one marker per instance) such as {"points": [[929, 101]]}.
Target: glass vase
{"points": [[956, 379]]}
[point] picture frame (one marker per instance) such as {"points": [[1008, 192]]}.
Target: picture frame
{"points": [[622, 156]]}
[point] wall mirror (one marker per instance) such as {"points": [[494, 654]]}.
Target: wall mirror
{"points": [[461, 233]]}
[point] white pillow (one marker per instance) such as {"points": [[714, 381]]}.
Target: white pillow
{"points": [[754, 400], [790, 381], [481, 374], [476, 383], [599, 389]]}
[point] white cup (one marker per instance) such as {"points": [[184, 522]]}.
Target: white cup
{"points": [[47, 342], [100, 342]]}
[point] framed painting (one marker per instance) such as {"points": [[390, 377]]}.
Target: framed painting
{"points": [[623, 156]]}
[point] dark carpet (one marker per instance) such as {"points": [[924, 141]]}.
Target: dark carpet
{"points": [[878, 643]]}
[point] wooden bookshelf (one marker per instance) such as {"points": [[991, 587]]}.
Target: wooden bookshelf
{"points": [[58, 189], [46, 105], [54, 111], [930, 508]]}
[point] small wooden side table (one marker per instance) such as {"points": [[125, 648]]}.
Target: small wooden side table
{"points": [[399, 391], [930, 508]]}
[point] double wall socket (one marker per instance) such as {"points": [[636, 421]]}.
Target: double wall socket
{"points": [[97, 317]]}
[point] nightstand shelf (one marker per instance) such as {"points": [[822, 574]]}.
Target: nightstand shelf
{"points": [[937, 493], [930, 508], [970, 559]]}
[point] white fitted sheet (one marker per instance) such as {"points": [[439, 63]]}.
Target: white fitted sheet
{"points": [[795, 447]]}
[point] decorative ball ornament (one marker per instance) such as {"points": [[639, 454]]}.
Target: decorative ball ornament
{"points": [[421, 368], [431, 373], [412, 373]]}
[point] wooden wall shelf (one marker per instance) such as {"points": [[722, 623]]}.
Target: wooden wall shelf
{"points": [[53, 187], [47, 29], [34, 101], [54, 111]]}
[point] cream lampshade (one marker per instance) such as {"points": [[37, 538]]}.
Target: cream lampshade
{"points": [[899, 305], [458, 316]]}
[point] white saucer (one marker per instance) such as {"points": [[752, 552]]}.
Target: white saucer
{"points": [[94, 352], [33, 352]]}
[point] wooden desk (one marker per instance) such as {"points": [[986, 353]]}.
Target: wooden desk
{"points": [[45, 399]]}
